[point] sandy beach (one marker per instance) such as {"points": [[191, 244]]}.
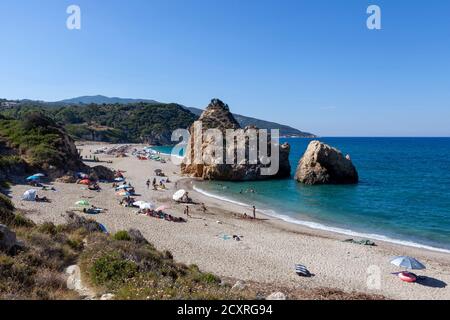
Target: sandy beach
{"points": [[269, 247]]}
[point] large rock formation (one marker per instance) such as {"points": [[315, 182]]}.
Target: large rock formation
{"points": [[218, 116], [322, 164]]}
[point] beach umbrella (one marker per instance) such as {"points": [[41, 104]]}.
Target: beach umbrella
{"points": [[83, 203], [138, 203], [29, 195], [82, 175], [120, 179], [33, 178], [178, 195], [103, 228], [146, 206], [40, 175], [125, 186], [407, 263], [162, 208]]}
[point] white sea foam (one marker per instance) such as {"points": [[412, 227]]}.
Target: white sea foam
{"points": [[319, 226], [164, 153]]}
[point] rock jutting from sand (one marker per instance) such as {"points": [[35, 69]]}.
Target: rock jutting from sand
{"points": [[7, 239], [218, 116], [323, 164]]}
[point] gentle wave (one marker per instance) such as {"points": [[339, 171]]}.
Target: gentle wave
{"points": [[319, 226], [165, 153]]}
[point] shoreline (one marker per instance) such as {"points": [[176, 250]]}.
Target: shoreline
{"points": [[317, 225], [268, 251], [325, 228]]}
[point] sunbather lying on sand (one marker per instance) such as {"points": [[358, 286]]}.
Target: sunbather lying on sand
{"points": [[161, 215], [93, 210], [94, 187], [45, 188], [41, 199]]}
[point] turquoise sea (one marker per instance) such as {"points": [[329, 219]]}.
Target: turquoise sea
{"points": [[403, 195]]}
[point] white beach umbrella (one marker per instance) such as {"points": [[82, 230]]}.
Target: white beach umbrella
{"points": [[178, 195], [40, 175], [147, 206], [138, 203], [29, 195]]}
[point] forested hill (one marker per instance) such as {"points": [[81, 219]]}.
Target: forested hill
{"points": [[248, 121], [243, 120], [120, 120], [118, 123]]}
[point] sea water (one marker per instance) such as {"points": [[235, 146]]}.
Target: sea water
{"points": [[403, 195]]}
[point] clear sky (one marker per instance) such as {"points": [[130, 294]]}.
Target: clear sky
{"points": [[310, 64]]}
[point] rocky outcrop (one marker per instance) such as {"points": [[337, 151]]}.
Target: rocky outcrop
{"points": [[101, 173], [323, 164], [7, 239], [137, 237], [218, 116], [276, 296], [38, 143], [75, 282], [6, 210], [74, 221]]}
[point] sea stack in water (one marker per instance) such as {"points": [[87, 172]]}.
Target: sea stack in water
{"points": [[218, 116], [323, 164]]}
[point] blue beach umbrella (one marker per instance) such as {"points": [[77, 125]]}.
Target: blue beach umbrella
{"points": [[407, 263], [33, 178], [39, 175], [123, 187]]}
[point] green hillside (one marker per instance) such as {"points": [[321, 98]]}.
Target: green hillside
{"points": [[117, 123]]}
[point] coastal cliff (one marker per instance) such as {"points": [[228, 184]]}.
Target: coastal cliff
{"points": [[218, 116]]}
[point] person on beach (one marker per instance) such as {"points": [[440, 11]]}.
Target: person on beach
{"points": [[203, 207], [186, 211], [254, 212], [148, 183]]}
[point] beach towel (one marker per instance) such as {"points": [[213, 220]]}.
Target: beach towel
{"points": [[224, 236]]}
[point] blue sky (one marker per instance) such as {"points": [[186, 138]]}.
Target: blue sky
{"points": [[310, 64]]}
